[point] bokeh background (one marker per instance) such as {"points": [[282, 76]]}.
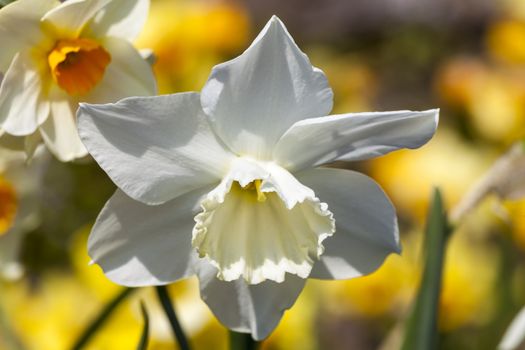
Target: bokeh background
{"points": [[466, 57]]}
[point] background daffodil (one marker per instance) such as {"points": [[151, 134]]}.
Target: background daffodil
{"points": [[224, 184], [20, 192], [55, 55]]}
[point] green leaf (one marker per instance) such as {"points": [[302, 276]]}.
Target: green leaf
{"points": [[165, 301], [144, 338], [101, 318], [5, 2], [242, 341], [421, 329]]}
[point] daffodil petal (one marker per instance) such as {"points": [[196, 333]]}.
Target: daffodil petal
{"points": [[59, 131], [71, 16], [366, 224], [154, 148], [128, 74], [515, 334], [255, 309], [22, 107], [20, 27], [253, 99], [121, 18], [139, 245], [353, 136]]}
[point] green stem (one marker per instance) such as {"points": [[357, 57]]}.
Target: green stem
{"points": [[101, 318], [242, 341], [144, 338], [165, 300]]}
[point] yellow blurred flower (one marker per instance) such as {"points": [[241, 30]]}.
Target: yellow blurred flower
{"points": [[468, 280], [497, 108], [492, 97], [297, 328], [446, 161], [388, 291], [505, 41], [189, 37], [456, 79], [353, 82]]}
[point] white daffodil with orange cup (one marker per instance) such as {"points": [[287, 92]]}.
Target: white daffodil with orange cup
{"points": [[228, 184], [55, 55]]}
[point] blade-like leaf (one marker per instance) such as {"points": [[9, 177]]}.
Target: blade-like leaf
{"points": [[101, 318], [165, 301], [421, 330], [144, 338]]}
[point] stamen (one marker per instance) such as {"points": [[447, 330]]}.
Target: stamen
{"points": [[8, 205], [256, 184], [77, 65]]}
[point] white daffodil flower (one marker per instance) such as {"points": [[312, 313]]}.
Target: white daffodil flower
{"points": [[226, 184], [55, 55]]}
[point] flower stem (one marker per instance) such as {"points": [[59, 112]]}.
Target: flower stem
{"points": [[165, 300], [101, 318], [144, 338], [242, 341]]}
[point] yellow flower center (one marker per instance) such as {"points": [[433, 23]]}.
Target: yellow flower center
{"points": [[256, 187], [8, 205], [77, 65]]}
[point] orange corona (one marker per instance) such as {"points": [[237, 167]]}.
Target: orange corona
{"points": [[77, 65]]}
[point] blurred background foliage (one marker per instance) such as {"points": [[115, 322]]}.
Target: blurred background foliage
{"points": [[466, 57]]}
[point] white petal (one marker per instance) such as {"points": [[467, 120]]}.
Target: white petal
{"points": [[366, 224], [20, 27], [140, 245], [154, 148], [261, 232], [22, 106], [353, 137], [121, 18], [515, 334], [253, 99], [59, 132], [255, 309], [128, 74], [71, 16]]}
